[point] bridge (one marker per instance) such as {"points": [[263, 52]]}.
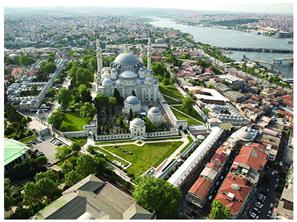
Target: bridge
{"points": [[275, 62], [257, 49]]}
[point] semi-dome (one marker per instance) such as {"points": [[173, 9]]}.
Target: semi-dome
{"points": [[149, 80], [127, 59], [154, 110], [132, 100], [107, 82], [118, 82], [137, 122], [128, 75]]}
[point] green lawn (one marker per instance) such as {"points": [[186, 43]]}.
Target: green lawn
{"points": [[181, 116], [110, 157], [73, 122], [81, 140], [28, 139], [146, 156], [171, 91], [193, 113]]}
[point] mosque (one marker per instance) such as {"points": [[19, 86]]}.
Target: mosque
{"points": [[134, 82]]}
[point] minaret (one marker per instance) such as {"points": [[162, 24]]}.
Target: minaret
{"points": [[99, 57], [148, 66]]}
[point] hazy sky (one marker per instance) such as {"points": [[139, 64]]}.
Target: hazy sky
{"points": [[269, 6]]}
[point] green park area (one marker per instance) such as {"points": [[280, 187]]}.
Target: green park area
{"points": [[181, 116], [144, 157], [73, 122], [171, 91]]}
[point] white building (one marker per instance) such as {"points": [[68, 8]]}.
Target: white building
{"points": [[132, 103], [154, 115], [128, 76], [137, 127]]}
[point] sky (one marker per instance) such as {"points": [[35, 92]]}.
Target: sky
{"points": [[268, 6]]}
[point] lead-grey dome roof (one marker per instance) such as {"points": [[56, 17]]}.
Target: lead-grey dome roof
{"points": [[137, 122], [132, 100], [127, 59], [155, 110], [107, 82], [128, 74]]}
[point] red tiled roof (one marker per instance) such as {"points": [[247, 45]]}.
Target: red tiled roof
{"points": [[253, 157], [240, 194], [201, 187], [287, 99]]}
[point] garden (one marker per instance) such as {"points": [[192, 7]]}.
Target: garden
{"points": [[145, 156]]}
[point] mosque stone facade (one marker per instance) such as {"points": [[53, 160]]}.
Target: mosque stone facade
{"points": [[128, 76]]}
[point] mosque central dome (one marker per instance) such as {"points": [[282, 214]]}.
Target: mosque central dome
{"points": [[127, 59]]}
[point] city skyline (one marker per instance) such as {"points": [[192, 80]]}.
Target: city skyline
{"points": [[213, 5]]}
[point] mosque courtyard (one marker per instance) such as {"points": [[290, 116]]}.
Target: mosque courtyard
{"points": [[138, 156]]}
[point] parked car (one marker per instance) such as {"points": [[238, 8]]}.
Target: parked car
{"points": [[259, 205], [256, 209]]}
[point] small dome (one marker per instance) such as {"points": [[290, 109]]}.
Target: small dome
{"points": [[137, 122], [149, 80], [235, 186], [114, 71], [214, 107], [128, 74], [105, 75], [127, 59], [107, 82], [118, 82], [154, 110], [132, 100], [246, 134], [138, 81]]}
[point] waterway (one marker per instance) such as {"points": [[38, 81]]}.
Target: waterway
{"points": [[232, 38]]}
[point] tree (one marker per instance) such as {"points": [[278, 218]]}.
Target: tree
{"points": [[48, 67], [67, 167], [157, 195], [101, 101], [84, 93], [72, 177], [50, 174], [85, 165], [11, 114], [118, 97], [8, 198], [87, 110], [32, 196], [62, 152], [75, 146], [218, 211], [56, 119], [48, 189], [25, 60], [64, 97], [130, 115], [34, 90]]}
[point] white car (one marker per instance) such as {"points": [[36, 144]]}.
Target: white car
{"points": [[259, 205]]}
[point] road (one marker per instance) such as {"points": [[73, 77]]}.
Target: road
{"points": [[268, 189]]}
